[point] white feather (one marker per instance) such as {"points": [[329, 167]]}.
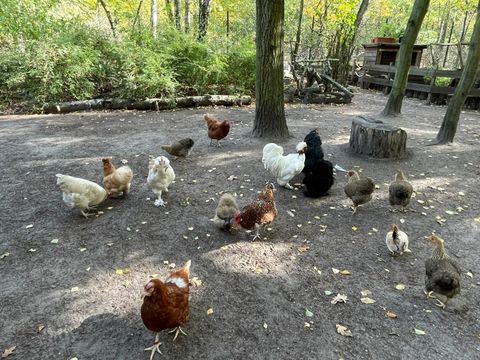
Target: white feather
{"points": [[284, 168]]}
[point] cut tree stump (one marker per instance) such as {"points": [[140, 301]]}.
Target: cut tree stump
{"points": [[374, 138]]}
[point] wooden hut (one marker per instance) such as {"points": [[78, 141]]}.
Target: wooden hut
{"points": [[385, 53]]}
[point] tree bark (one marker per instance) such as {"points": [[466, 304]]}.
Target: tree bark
{"points": [[176, 11], [450, 121], [394, 103], [203, 15], [153, 17], [137, 16], [299, 32], [109, 17], [269, 111], [187, 16]]}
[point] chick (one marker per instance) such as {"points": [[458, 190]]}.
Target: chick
{"points": [[225, 212], [181, 148], [397, 241]]}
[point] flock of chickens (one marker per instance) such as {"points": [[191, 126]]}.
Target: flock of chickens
{"points": [[166, 304]]}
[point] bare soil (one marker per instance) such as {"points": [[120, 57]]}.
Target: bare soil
{"points": [[259, 291]]}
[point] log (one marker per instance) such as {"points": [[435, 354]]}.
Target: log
{"points": [[147, 104], [374, 138]]}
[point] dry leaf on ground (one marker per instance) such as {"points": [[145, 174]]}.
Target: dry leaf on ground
{"points": [[343, 330], [339, 298], [367, 300], [8, 351]]}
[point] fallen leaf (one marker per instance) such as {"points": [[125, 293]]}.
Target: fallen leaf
{"points": [[171, 265], [316, 217], [124, 161], [450, 212], [40, 328], [469, 274], [367, 300], [119, 271], [339, 298], [32, 250], [307, 324], [54, 241], [365, 293], [4, 255], [196, 282], [74, 289], [8, 351], [374, 230], [83, 249], [391, 315], [190, 228], [231, 177], [290, 213], [265, 326], [335, 271], [354, 228], [402, 221], [343, 330], [308, 313], [303, 248], [299, 225], [29, 226], [400, 287], [461, 193], [345, 272], [419, 332], [210, 311]]}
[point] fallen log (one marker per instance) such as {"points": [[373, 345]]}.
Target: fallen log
{"points": [[374, 138], [147, 104]]}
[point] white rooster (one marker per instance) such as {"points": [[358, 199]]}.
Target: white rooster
{"points": [[80, 193], [284, 168], [160, 176]]}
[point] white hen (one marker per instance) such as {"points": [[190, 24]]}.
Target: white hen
{"points": [[284, 168], [397, 241], [80, 193], [160, 176]]}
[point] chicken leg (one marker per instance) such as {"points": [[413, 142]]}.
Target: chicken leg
{"points": [[155, 347], [159, 201], [177, 331]]}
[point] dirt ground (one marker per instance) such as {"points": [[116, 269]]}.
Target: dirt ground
{"points": [[65, 299]]}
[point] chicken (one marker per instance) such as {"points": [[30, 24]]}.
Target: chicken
{"points": [[80, 193], [284, 168], [258, 213], [160, 176], [116, 181], [400, 191], [225, 212], [165, 305], [397, 241], [180, 148], [217, 130], [314, 151], [358, 190], [319, 180], [442, 273]]}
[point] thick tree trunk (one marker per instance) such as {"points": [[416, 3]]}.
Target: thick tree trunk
{"points": [[176, 11], [203, 15], [404, 59], [374, 138], [469, 74], [154, 17], [187, 16], [269, 112]]}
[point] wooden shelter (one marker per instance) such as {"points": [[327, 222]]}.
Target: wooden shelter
{"points": [[385, 53]]}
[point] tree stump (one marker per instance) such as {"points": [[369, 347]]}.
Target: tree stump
{"points": [[374, 138]]}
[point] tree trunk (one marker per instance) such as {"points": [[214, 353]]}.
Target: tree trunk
{"points": [[137, 16], [450, 121], [176, 10], [203, 15], [299, 33], [153, 17], [169, 10], [394, 103], [187, 16], [109, 17], [269, 111]]}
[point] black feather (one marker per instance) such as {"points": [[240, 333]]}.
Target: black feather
{"points": [[319, 180], [314, 151]]}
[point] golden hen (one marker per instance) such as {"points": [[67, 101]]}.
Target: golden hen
{"points": [[165, 305], [116, 181]]}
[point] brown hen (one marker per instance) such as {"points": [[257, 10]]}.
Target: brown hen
{"points": [[400, 191], [217, 130], [258, 213], [116, 181], [165, 305], [358, 190]]}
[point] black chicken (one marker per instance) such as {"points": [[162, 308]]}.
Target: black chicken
{"points": [[314, 150]]}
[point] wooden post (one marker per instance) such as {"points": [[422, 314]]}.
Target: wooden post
{"points": [[432, 84]]}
